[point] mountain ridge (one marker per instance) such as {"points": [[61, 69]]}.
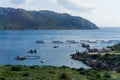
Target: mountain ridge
{"points": [[11, 18]]}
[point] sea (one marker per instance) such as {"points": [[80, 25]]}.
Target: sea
{"points": [[18, 42]]}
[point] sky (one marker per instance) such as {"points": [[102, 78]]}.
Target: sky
{"points": [[104, 13]]}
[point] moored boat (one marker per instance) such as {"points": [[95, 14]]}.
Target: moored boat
{"points": [[42, 61], [72, 41], [40, 42], [32, 51], [57, 42], [20, 57], [55, 46]]}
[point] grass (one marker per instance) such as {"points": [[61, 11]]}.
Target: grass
{"points": [[36, 72], [19, 72], [117, 51]]}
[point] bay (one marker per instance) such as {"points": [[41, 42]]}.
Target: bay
{"points": [[19, 42]]}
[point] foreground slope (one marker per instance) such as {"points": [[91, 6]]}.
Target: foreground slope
{"points": [[19, 72]]}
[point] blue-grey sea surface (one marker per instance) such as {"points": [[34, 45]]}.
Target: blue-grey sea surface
{"points": [[19, 42]]}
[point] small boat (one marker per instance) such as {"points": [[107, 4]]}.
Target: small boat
{"points": [[40, 42], [33, 57], [85, 45], [55, 46], [42, 61], [32, 51], [57, 42], [92, 41], [100, 41], [72, 41], [20, 57], [84, 41]]}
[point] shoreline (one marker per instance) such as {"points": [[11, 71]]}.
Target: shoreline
{"points": [[107, 60]]}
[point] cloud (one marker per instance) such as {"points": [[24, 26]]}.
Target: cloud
{"points": [[25, 4], [78, 5], [20, 2]]}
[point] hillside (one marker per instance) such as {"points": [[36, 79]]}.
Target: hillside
{"points": [[11, 18]]}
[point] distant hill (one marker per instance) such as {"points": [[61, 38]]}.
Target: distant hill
{"points": [[11, 18]]}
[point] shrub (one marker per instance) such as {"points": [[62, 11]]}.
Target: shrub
{"points": [[96, 69], [16, 68], [107, 55], [91, 78], [74, 69], [98, 76], [65, 67], [52, 72], [107, 75], [26, 74], [84, 72], [32, 67], [2, 78], [118, 70], [81, 69], [64, 76]]}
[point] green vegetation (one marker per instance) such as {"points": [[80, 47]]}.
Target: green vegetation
{"points": [[116, 48], [19, 72], [117, 51]]}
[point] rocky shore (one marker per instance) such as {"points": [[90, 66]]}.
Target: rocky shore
{"points": [[108, 60]]}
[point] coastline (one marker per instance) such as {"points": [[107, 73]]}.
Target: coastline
{"points": [[107, 60]]}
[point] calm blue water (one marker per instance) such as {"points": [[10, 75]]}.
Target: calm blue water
{"points": [[19, 42]]}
